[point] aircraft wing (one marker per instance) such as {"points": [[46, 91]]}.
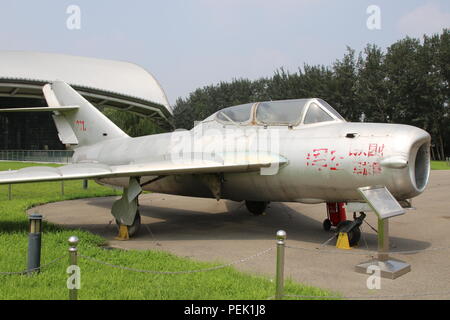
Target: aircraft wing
{"points": [[231, 163]]}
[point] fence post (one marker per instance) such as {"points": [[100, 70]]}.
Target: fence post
{"points": [[279, 291], [62, 188], [34, 243], [71, 282], [9, 192]]}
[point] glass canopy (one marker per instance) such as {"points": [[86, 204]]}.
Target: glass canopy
{"points": [[237, 114], [279, 113], [286, 112]]}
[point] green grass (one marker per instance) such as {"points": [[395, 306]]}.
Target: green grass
{"points": [[103, 282], [439, 165]]}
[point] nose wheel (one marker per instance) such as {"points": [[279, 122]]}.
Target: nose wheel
{"points": [[337, 217], [327, 225]]}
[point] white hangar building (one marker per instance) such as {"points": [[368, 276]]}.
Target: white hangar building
{"points": [[105, 83]]}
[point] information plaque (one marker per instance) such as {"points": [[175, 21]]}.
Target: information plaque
{"points": [[381, 201]]}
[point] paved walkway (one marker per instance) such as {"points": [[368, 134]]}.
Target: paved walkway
{"points": [[224, 231]]}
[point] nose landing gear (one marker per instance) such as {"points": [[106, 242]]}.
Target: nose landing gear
{"points": [[335, 215], [352, 229], [337, 218]]}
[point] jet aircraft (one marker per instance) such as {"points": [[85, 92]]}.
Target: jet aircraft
{"points": [[299, 150]]}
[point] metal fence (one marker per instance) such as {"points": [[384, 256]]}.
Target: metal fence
{"points": [[52, 156]]}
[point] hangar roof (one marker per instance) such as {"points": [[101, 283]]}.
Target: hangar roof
{"points": [[116, 84]]}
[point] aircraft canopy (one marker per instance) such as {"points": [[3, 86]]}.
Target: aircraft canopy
{"points": [[285, 112]]}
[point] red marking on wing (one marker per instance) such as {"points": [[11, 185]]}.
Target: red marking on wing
{"points": [[80, 124]]}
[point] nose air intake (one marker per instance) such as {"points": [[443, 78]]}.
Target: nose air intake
{"points": [[420, 165], [409, 164]]}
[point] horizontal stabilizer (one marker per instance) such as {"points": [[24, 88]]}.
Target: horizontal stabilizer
{"points": [[42, 109]]}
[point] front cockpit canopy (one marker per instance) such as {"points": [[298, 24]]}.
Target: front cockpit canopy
{"points": [[236, 114], [278, 113]]}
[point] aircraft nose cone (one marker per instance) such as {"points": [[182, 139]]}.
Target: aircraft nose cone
{"points": [[410, 160], [419, 160]]}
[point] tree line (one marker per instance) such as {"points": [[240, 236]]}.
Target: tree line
{"points": [[406, 83]]}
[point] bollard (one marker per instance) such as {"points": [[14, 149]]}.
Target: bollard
{"points": [[85, 184], [9, 192], [73, 251], [34, 243], [62, 188], [279, 291]]}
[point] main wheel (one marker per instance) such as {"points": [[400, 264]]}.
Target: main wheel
{"points": [[256, 207], [134, 228], [353, 236]]}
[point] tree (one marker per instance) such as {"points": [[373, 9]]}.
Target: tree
{"points": [[132, 124], [371, 88], [345, 76], [435, 89], [408, 83]]}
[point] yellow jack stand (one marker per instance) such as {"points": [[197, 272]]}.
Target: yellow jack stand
{"points": [[123, 233], [342, 242]]}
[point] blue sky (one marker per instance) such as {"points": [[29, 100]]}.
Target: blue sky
{"points": [[189, 44]]}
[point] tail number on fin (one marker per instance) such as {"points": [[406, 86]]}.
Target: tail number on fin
{"points": [[80, 124]]}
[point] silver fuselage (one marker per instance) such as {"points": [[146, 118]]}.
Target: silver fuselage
{"points": [[326, 162]]}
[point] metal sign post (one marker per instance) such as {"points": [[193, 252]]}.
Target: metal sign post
{"points": [[383, 239], [385, 206]]}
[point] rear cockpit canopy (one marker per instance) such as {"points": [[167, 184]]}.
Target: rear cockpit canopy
{"points": [[278, 113]]}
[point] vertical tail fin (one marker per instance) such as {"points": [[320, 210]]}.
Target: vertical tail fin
{"points": [[85, 125]]}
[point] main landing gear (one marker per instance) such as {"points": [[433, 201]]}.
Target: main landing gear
{"points": [[133, 229], [337, 218], [126, 212], [256, 207]]}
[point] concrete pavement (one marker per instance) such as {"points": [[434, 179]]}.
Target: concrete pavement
{"points": [[224, 231]]}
